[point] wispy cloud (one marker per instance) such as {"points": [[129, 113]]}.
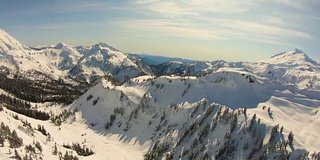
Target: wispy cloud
{"points": [[218, 29], [299, 4], [194, 7], [61, 26], [273, 20], [169, 28], [225, 6], [86, 6], [195, 19], [62, 7], [292, 3], [263, 29]]}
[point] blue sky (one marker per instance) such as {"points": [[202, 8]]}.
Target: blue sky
{"points": [[232, 30]]}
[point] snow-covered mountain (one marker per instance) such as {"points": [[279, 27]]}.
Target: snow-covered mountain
{"points": [[91, 62], [196, 68], [8, 43], [292, 67], [82, 62], [291, 59], [177, 117], [101, 59], [177, 110]]}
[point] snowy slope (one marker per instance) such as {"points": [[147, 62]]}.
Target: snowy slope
{"points": [[299, 115], [104, 147], [214, 87], [151, 116], [8, 43], [159, 111]]}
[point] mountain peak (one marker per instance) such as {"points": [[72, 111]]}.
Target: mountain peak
{"points": [[101, 44], [8, 43], [60, 45], [296, 51], [295, 56]]}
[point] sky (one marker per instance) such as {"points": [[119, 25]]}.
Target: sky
{"points": [[232, 30]]}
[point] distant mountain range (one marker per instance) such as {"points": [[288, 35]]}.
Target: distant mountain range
{"points": [[156, 59], [88, 63]]}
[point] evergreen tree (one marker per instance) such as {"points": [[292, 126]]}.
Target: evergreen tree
{"points": [[290, 138], [245, 111], [38, 146], [14, 140], [1, 140], [17, 155], [55, 150]]}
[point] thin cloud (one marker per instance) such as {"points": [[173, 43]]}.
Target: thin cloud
{"points": [[193, 7], [171, 29], [193, 19], [299, 4], [217, 29], [292, 3], [272, 20], [226, 6], [264, 29], [61, 26]]}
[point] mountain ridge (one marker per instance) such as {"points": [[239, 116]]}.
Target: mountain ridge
{"points": [[293, 56], [8, 43], [89, 63], [85, 63]]}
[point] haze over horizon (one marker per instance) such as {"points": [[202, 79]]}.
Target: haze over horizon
{"points": [[233, 30]]}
